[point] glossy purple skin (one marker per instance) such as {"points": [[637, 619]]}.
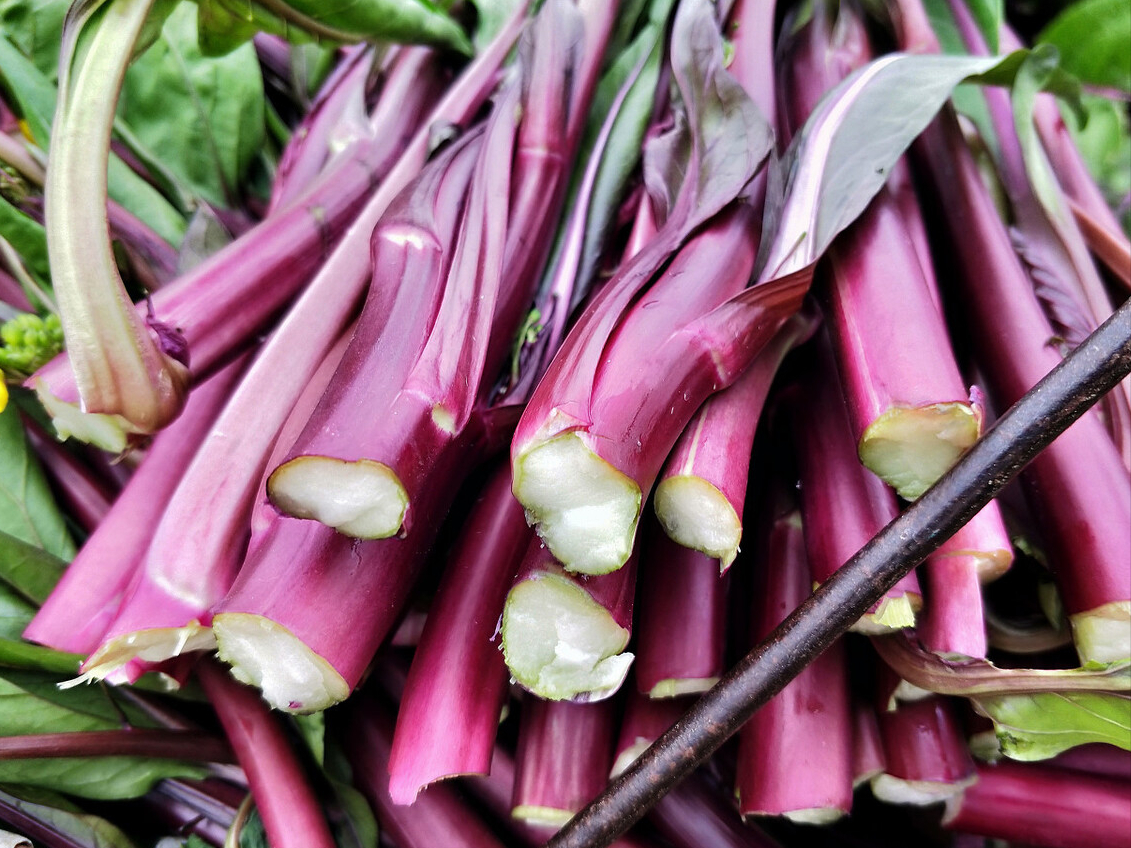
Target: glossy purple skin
{"points": [[457, 684], [924, 742], [1040, 804], [86, 599], [680, 633], [564, 753], [439, 816], [843, 504], [795, 753], [1078, 487]]}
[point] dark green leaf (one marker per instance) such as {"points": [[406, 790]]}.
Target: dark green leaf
{"points": [[17, 654], [64, 818], [15, 613], [27, 507], [33, 95], [226, 23], [252, 834], [35, 26], [1094, 40], [351, 818], [203, 114], [28, 238], [28, 569], [31, 704], [843, 154], [312, 729]]}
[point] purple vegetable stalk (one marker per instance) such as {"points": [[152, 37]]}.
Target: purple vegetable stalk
{"points": [[952, 623], [291, 814], [362, 480], [414, 241], [927, 757], [843, 504], [1043, 805], [580, 466], [694, 814], [868, 758], [1048, 239], [563, 759], [905, 395], [1078, 487], [457, 684], [795, 753], [563, 634], [86, 599], [241, 439], [681, 627], [702, 489], [645, 720], [438, 816], [223, 303], [335, 122]]}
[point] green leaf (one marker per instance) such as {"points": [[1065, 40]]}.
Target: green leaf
{"points": [[203, 114], [312, 729], [28, 569], [843, 154], [224, 23], [15, 613], [27, 507], [35, 27], [253, 834], [351, 818], [491, 15], [1094, 40], [1041, 725], [33, 95], [31, 704], [28, 238], [18, 654], [64, 818], [988, 14]]}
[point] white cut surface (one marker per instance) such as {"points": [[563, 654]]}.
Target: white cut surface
{"points": [[541, 816], [152, 645], [561, 644], [911, 448], [920, 793], [264, 654], [628, 756], [815, 815], [584, 509], [1103, 635], [676, 687], [108, 432], [697, 515], [362, 499]]}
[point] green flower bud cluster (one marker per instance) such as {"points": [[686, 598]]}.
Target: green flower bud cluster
{"points": [[28, 342]]}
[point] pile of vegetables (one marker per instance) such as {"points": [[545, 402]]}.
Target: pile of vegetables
{"points": [[410, 409]]}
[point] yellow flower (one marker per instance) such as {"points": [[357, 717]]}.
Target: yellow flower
{"points": [[3, 392]]}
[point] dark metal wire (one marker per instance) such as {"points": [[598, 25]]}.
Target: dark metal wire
{"points": [[1030, 425]]}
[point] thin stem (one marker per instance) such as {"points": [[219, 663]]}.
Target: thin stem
{"points": [[1031, 425], [134, 742]]}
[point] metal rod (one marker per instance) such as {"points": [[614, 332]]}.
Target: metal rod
{"points": [[1092, 369]]}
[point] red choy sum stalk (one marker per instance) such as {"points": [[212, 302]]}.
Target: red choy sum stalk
{"points": [[564, 635], [362, 479], [439, 816], [645, 720], [681, 629], [795, 753], [226, 300], [563, 758], [85, 601], [907, 401], [843, 504], [457, 684], [581, 468], [927, 756], [1078, 487], [131, 373], [291, 814], [1043, 805]]}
